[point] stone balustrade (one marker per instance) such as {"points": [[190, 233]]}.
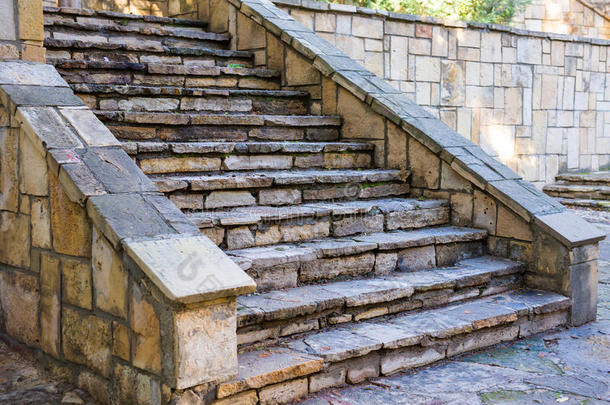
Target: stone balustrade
{"points": [[98, 270]]}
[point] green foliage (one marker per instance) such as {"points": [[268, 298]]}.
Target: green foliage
{"points": [[487, 11]]}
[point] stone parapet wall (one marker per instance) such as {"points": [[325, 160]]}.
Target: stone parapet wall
{"points": [[21, 33], [524, 224], [98, 270], [574, 17], [538, 102]]}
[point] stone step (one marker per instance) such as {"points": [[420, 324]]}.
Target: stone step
{"points": [[280, 187], [192, 157], [181, 99], [580, 191], [601, 178], [156, 74], [88, 15], [353, 353], [60, 49], [585, 203], [135, 34], [281, 313], [244, 227], [289, 265], [184, 127]]}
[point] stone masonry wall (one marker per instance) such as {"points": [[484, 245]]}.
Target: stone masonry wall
{"points": [[100, 272], [22, 35], [574, 17], [538, 102]]}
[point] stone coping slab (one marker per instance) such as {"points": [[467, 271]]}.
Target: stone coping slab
{"points": [[189, 269]]}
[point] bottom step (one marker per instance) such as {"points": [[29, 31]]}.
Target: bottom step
{"points": [[585, 203], [356, 352]]}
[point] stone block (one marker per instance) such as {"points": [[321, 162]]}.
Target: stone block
{"points": [[452, 253], [584, 253], [283, 393], [15, 239], [359, 120], [491, 47], [245, 398], [30, 20], [583, 290], [239, 238], [189, 269], [50, 308], [480, 339], [144, 323], [76, 282], [120, 341], [322, 269], [427, 69], [46, 129], [569, 228], [385, 263], [484, 214], [425, 166], [222, 199], [7, 29], [279, 197], [9, 169], [299, 70], [122, 216], [135, 387], [89, 127], [451, 180], [87, 340], [109, 277], [79, 182], [529, 50], [275, 277], [30, 74], [40, 95], [363, 368], [409, 357], [19, 298], [199, 358], [334, 377], [116, 170], [32, 169], [461, 209], [417, 258], [367, 27], [511, 226], [69, 223]]}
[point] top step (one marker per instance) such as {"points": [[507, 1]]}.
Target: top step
{"points": [[84, 15]]}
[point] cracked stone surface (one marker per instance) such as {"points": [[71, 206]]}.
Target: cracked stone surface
{"points": [[569, 366]]}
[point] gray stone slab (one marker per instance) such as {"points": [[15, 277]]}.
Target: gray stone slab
{"points": [[335, 345], [390, 335], [274, 255], [30, 73], [570, 229], [121, 216], [41, 95], [116, 170], [339, 247], [46, 128]]}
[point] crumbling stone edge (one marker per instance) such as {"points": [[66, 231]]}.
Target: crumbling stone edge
{"points": [[561, 249], [98, 269]]}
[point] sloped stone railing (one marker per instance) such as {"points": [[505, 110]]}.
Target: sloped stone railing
{"points": [[524, 224], [99, 270]]}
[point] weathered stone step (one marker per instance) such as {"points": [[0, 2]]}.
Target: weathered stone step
{"points": [[586, 203], [184, 127], [180, 99], [287, 265], [59, 49], [88, 15], [279, 187], [286, 312], [585, 191], [594, 178], [153, 158], [245, 227], [183, 75], [356, 352], [137, 35]]}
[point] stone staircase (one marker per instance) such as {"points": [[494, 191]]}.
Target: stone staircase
{"points": [[589, 190], [355, 278]]}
